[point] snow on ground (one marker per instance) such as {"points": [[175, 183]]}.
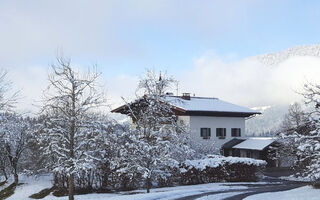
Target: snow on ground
{"points": [[159, 193], [34, 184], [31, 185], [293, 178], [306, 192]]}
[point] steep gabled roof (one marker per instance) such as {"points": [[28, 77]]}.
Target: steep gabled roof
{"points": [[202, 106]]}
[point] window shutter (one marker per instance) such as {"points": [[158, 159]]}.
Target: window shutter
{"points": [[209, 132], [201, 132]]}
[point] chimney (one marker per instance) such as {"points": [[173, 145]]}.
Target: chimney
{"points": [[186, 96]]}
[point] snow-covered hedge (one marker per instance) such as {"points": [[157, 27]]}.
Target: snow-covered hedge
{"points": [[219, 168], [217, 161]]}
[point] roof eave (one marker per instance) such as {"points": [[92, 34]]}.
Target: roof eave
{"points": [[219, 113]]}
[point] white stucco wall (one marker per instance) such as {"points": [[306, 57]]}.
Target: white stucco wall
{"points": [[198, 122]]}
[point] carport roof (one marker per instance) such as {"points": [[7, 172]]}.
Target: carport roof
{"points": [[256, 143], [231, 143]]}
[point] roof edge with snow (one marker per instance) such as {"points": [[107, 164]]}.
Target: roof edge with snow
{"points": [[201, 106]]}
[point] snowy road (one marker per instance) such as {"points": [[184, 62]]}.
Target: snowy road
{"points": [[252, 189]]}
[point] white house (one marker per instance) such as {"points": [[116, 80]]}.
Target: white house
{"points": [[219, 125], [212, 122]]}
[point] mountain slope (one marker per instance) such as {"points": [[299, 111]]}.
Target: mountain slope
{"points": [[272, 59]]}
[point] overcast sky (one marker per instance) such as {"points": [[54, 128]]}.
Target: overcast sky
{"points": [[207, 45]]}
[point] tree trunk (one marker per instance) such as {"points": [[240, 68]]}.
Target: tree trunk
{"points": [[72, 134], [70, 187], [16, 178], [148, 184], [15, 173]]}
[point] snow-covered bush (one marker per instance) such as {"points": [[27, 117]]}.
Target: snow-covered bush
{"points": [[219, 168]]}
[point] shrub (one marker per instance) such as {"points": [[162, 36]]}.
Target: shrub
{"points": [[60, 192], [8, 191], [316, 185], [43, 193], [2, 183]]}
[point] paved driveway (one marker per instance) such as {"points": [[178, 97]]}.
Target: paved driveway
{"points": [[273, 184]]}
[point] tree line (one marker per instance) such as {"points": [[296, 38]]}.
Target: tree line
{"points": [[298, 139], [84, 148]]}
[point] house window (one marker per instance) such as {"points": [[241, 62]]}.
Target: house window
{"points": [[221, 133], [236, 132], [205, 133], [249, 154]]}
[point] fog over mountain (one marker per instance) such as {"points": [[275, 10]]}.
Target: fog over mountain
{"points": [[268, 123], [304, 67]]}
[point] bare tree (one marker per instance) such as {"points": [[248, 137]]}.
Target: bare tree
{"points": [[15, 140], [70, 99], [8, 98], [156, 84], [295, 122], [294, 119], [301, 129]]}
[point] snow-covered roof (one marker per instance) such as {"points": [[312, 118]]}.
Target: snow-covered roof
{"points": [[207, 104], [200, 106], [257, 143]]}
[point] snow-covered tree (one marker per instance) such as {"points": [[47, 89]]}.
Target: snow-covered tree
{"points": [[295, 121], [69, 102], [110, 145], [158, 142], [303, 132], [309, 138], [15, 139], [4, 164], [8, 98]]}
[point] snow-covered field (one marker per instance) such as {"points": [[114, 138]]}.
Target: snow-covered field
{"points": [[302, 193], [31, 185]]}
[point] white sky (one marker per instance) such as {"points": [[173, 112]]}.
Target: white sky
{"points": [[245, 82]]}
